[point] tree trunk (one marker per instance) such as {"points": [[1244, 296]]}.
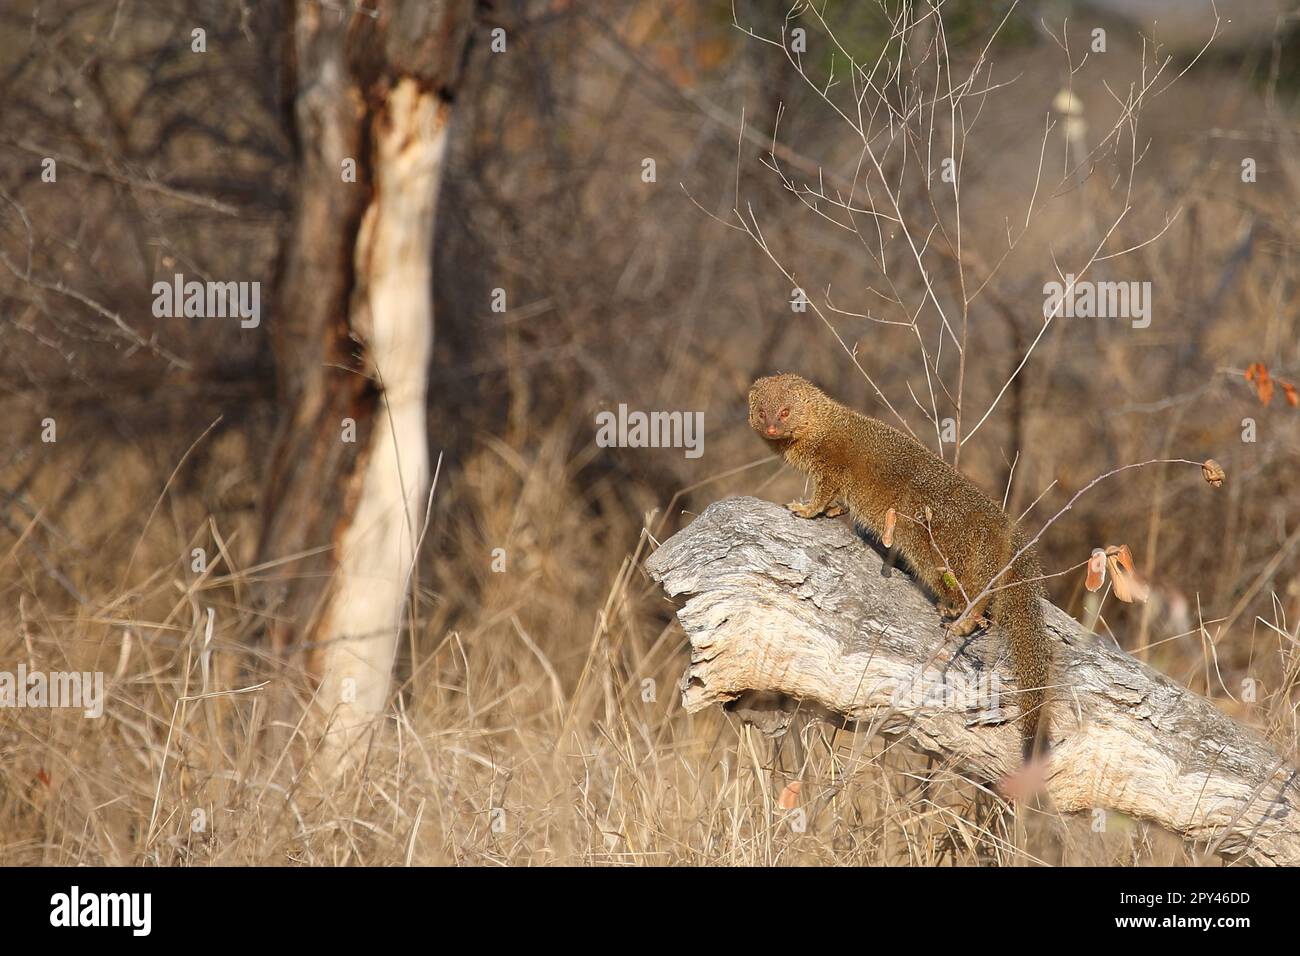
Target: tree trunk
{"points": [[786, 610], [352, 335]]}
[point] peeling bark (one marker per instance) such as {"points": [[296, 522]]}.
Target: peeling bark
{"points": [[353, 335], [393, 321], [785, 608]]}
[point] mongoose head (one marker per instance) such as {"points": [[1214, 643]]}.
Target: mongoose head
{"points": [[780, 407]]}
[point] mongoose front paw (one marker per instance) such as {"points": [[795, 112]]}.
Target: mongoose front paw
{"points": [[805, 510]]}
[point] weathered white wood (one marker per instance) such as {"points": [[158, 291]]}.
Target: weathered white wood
{"points": [[780, 605], [393, 319]]}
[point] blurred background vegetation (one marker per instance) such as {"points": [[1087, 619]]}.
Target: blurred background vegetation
{"points": [[525, 687]]}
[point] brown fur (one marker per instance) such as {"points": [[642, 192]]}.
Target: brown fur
{"points": [[945, 523]]}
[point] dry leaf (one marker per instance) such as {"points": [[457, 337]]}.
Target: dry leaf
{"points": [[1021, 785], [789, 798], [1289, 391], [1096, 570], [1124, 579], [1213, 472], [891, 519], [1257, 372]]}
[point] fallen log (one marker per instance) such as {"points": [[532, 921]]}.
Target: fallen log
{"points": [[784, 611]]}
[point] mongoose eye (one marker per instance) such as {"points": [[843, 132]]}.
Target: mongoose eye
{"points": [[785, 413]]}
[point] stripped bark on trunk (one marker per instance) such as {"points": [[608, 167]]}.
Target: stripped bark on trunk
{"points": [[353, 336]]}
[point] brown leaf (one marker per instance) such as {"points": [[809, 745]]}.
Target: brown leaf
{"points": [[1213, 472], [891, 519], [1257, 372], [789, 798], [1289, 391], [1096, 570], [1128, 587], [1024, 783]]}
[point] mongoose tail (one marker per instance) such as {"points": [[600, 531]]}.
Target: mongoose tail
{"points": [[1016, 607]]}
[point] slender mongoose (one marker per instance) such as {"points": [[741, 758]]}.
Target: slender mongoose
{"points": [[955, 537]]}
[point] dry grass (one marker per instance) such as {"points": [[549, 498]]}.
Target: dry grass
{"points": [[524, 731]]}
